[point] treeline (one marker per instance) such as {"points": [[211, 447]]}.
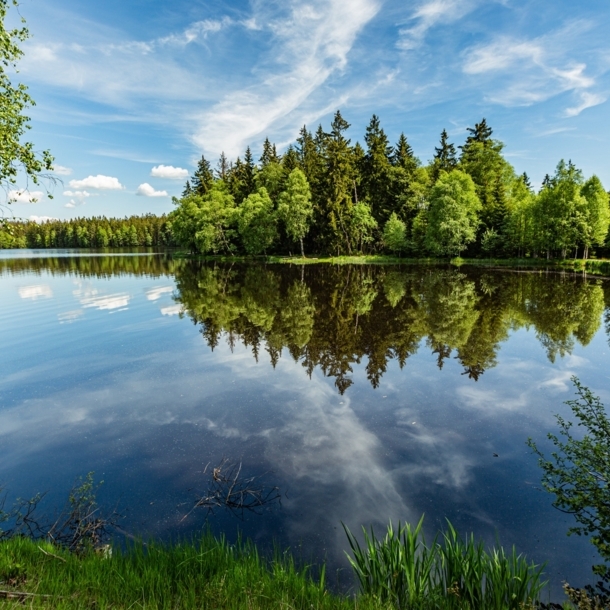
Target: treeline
{"points": [[96, 232], [325, 195], [335, 317], [150, 265]]}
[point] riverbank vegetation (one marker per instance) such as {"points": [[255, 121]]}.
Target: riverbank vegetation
{"points": [[211, 573], [327, 196]]}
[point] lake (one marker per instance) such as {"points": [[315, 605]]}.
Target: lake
{"points": [[363, 393]]}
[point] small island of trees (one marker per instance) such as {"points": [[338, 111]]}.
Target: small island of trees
{"points": [[325, 195]]}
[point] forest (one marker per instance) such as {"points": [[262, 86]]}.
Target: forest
{"points": [[94, 232], [325, 195]]}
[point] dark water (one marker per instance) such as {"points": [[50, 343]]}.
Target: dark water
{"points": [[365, 393]]}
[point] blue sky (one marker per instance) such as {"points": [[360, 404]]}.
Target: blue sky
{"points": [[123, 87]]}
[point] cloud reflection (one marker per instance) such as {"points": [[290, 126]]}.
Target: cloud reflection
{"points": [[38, 291]]}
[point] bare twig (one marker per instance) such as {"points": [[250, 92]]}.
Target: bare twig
{"points": [[228, 489]]}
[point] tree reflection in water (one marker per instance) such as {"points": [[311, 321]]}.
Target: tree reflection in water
{"points": [[336, 316]]}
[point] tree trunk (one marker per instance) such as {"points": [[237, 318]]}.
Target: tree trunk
{"points": [[302, 251]]}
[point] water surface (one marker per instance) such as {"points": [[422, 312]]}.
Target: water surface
{"points": [[366, 393]]}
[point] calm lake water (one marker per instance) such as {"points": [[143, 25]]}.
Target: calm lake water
{"points": [[365, 393]]}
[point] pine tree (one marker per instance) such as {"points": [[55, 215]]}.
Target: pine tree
{"points": [[269, 154], [338, 183], [290, 160], [481, 132], [375, 172], [445, 157], [403, 155], [203, 178], [222, 168], [187, 189], [526, 180]]}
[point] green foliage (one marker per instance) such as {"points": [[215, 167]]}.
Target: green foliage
{"points": [[93, 232], [578, 471], [17, 158], [295, 208], [257, 222], [452, 218], [204, 223], [400, 569], [362, 224], [395, 234]]}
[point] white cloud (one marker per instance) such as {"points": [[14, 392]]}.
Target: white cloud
{"points": [[60, 170], [71, 204], [518, 71], [587, 100], [148, 191], [310, 42], [25, 196], [79, 194], [38, 291], [99, 182], [169, 172], [196, 31], [429, 14], [41, 219]]}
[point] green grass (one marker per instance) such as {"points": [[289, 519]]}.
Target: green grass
{"points": [[396, 572], [207, 573], [449, 573]]}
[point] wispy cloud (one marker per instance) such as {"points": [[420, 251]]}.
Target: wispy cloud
{"points": [[310, 42], [587, 100], [429, 14], [521, 72]]}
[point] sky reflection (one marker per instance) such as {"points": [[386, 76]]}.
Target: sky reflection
{"points": [[143, 400]]}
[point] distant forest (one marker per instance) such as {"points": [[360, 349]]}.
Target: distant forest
{"points": [[327, 196]]}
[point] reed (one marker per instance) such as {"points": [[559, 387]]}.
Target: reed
{"points": [[452, 572]]}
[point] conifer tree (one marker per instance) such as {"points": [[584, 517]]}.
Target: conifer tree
{"points": [[290, 160], [445, 157], [403, 155], [376, 169], [269, 154], [187, 189], [203, 178], [223, 167], [339, 179]]}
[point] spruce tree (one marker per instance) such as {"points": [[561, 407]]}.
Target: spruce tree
{"points": [[203, 178], [187, 189], [290, 160], [403, 155], [376, 169], [339, 179], [222, 169], [445, 157]]}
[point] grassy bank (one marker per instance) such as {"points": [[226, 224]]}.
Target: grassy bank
{"points": [[208, 573], [395, 572]]}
